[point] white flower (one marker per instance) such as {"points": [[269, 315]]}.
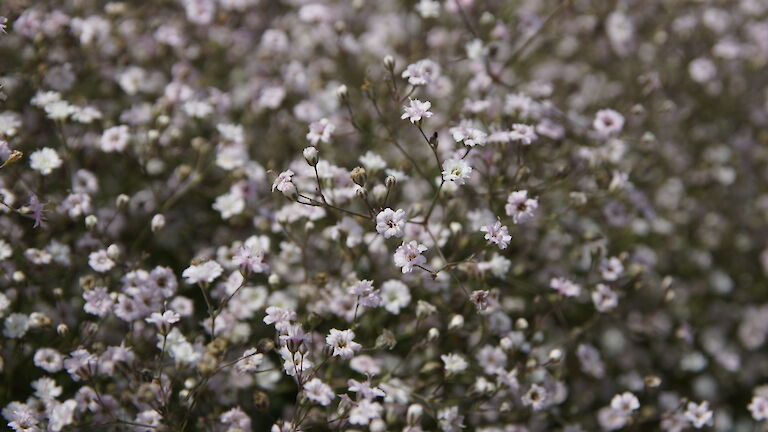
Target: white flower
{"points": [[100, 261], [46, 389], [497, 234], [164, 320], [625, 403], [205, 272], [408, 255], [454, 363], [456, 170], [416, 110], [320, 130], [758, 407], [520, 207], [115, 139], [229, 204], [535, 397], [284, 183], [604, 298], [342, 343], [526, 134], [608, 122], [364, 412], [699, 414], [59, 110], [395, 296], [565, 287], [390, 223], [611, 269], [318, 391], [422, 72], [249, 361], [468, 135], [197, 109], [44, 160], [16, 326]]}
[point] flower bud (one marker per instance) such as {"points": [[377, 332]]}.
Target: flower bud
{"points": [[389, 62], [415, 411], [91, 221], [310, 155], [62, 329], [390, 181], [342, 92], [378, 425], [457, 322], [433, 334], [379, 192], [555, 355], [158, 222], [113, 251], [273, 279], [521, 324], [122, 200], [19, 276], [358, 176]]}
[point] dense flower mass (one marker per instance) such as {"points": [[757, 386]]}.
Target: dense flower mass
{"points": [[350, 215]]}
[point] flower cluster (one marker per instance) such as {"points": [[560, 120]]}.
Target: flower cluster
{"points": [[348, 215]]}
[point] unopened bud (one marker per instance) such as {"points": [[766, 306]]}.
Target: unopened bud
{"points": [[158, 222], [342, 92], [19, 276], [358, 176], [62, 330], [310, 155], [390, 181], [433, 334], [122, 200], [113, 252], [457, 322], [273, 279], [555, 355], [521, 324], [415, 411], [91, 221], [389, 62]]}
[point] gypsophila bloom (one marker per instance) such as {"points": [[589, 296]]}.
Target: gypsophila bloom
{"points": [[758, 408], [100, 261], [520, 207], [115, 139], [364, 412], [497, 234], [454, 363], [45, 160], [422, 72], [390, 223], [699, 414], [320, 131], [342, 344], [523, 133], [565, 287], [604, 298], [366, 295], [250, 258], [611, 269], [608, 122], [284, 183], [395, 295], [164, 320], [535, 397], [205, 272], [625, 403], [468, 135], [416, 110], [249, 361], [230, 204], [317, 391], [456, 170], [409, 255]]}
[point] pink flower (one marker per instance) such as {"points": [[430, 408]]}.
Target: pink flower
{"points": [[408, 256], [342, 343], [497, 234], [416, 110]]}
